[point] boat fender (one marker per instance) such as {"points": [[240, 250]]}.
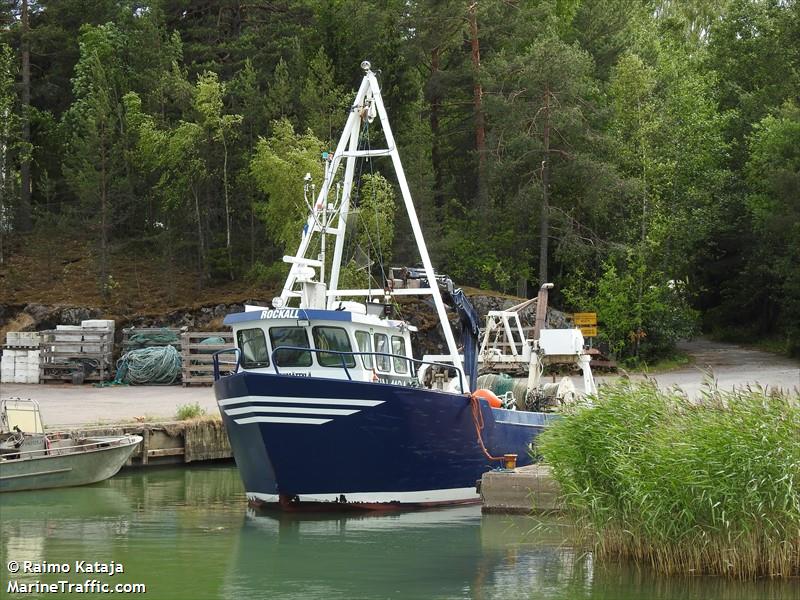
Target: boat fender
{"points": [[489, 396]]}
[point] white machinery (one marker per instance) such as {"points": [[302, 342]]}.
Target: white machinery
{"points": [[508, 349]]}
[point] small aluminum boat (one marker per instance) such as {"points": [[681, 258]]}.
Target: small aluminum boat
{"points": [[34, 460]]}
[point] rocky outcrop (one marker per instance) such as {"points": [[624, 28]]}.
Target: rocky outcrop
{"points": [[420, 313]]}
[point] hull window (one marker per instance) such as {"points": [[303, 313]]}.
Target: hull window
{"points": [[290, 336], [253, 346], [364, 345], [382, 345], [399, 347], [332, 338]]}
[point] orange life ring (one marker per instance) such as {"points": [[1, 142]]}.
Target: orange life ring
{"points": [[489, 396]]}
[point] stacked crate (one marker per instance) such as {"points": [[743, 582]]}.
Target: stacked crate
{"points": [[78, 352], [20, 361], [197, 356]]}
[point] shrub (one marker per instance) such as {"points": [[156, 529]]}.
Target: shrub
{"points": [[189, 411], [642, 313]]}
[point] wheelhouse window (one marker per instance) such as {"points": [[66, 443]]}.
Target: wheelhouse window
{"points": [[382, 345], [253, 346], [364, 345], [399, 347], [333, 338], [290, 336]]}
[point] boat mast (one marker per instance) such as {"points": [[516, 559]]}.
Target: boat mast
{"points": [[351, 129], [367, 99], [344, 210], [415, 227]]}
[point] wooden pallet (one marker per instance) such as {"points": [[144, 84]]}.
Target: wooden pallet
{"points": [[62, 353], [197, 358], [128, 332], [66, 371]]}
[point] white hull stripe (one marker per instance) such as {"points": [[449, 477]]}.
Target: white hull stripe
{"points": [[287, 400], [288, 420], [244, 410], [422, 496]]}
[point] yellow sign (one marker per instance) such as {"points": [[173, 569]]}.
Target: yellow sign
{"points": [[584, 318], [589, 330]]}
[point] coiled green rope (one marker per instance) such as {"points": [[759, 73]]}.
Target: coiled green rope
{"points": [[159, 364], [155, 338]]}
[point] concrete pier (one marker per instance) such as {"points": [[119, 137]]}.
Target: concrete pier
{"points": [[525, 490], [174, 442]]}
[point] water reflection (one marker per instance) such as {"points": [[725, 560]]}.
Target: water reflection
{"points": [[409, 555], [187, 533]]}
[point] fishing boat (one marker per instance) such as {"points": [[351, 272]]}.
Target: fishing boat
{"points": [[31, 459], [328, 407]]}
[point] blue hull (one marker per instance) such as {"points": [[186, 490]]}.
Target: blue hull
{"points": [[303, 440]]}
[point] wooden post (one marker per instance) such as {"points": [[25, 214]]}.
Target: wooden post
{"points": [[541, 309], [145, 445]]}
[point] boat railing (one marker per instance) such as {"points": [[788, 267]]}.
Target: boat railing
{"points": [[62, 450], [215, 360], [414, 363]]}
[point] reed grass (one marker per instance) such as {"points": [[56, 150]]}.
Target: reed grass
{"points": [[709, 487]]}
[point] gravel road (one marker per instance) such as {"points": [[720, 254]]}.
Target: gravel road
{"points": [[729, 366]]}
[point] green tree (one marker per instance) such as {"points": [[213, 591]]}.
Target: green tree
{"points": [[538, 116], [173, 158], [220, 128], [661, 315], [94, 162], [323, 102], [8, 140], [280, 95], [278, 165], [773, 175]]}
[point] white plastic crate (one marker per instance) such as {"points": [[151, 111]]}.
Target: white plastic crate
{"points": [[98, 324], [22, 339], [69, 338]]}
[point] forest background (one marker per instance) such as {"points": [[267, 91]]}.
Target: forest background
{"points": [[644, 155]]}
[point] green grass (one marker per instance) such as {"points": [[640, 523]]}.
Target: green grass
{"points": [[675, 361], [189, 411], [684, 487]]}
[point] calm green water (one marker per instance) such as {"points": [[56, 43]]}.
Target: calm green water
{"points": [[187, 533]]}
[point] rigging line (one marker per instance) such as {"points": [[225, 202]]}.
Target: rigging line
{"points": [[370, 246], [355, 201], [379, 249], [376, 247]]}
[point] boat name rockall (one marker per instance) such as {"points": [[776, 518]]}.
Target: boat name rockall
{"points": [[280, 313], [78, 566]]}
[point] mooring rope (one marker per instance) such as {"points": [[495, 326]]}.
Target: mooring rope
{"points": [[477, 419]]}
